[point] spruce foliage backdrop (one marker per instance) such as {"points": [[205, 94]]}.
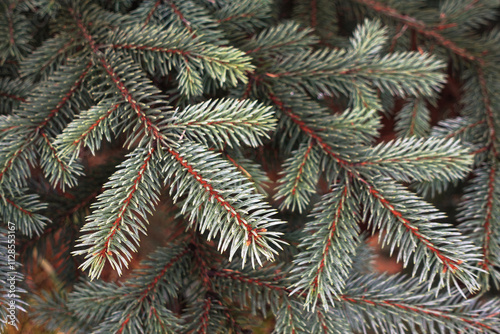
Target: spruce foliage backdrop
{"points": [[204, 100]]}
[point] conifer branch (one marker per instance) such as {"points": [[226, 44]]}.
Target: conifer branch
{"points": [[21, 209], [419, 26], [418, 159], [311, 133], [300, 177], [388, 211], [239, 210], [479, 214], [327, 247], [224, 122], [113, 230], [492, 142], [151, 12]]}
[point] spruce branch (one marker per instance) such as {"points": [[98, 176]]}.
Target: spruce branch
{"points": [[279, 40], [113, 230], [328, 246], [479, 214], [413, 119], [332, 71], [300, 177], [89, 129], [418, 159], [22, 208], [161, 50], [224, 122], [410, 223], [12, 93], [388, 300], [242, 219]]}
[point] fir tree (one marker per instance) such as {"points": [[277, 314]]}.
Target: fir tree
{"points": [[198, 103]]}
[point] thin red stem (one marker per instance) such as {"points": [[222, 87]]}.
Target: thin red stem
{"points": [[152, 286], [205, 315], [66, 97], [419, 27], [333, 229], [447, 262], [17, 206], [301, 167], [310, 132], [151, 12], [13, 97], [465, 128], [122, 327], [252, 233], [95, 124], [53, 150], [490, 119], [416, 309], [116, 224], [151, 128], [487, 220], [184, 21]]}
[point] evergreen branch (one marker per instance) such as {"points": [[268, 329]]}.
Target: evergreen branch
{"points": [[225, 122], [418, 159], [141, 298], [395, 210], [281, 39], [419, 26], [220, 207], [488, 220], [39, 116], [479, 214], [333, 71], [55, 169], [53, 311], [358, 125], [310, 132], [413, 119], [181, 17], [490, 120], [290, 318], [327, 248], [157, 278], [254, 289], [151, 12], [15, 32], [42, 120], [205, 316], [466, 127], [118, 216], [89, 129], [41, 63], [13, 97], [368, 40], [163, 49], [252, 171], [386, 299], [12, 93], [102, 299], [21, 210], [299, 178], [150, 128], [17, 156], [191, 17]]}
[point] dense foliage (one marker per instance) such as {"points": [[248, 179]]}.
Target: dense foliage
{"points": [[256, 127]]}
